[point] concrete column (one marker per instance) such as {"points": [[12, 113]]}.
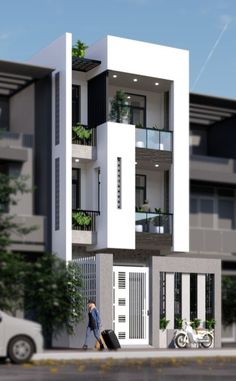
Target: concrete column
{"points": [[104, 274], [170, 297], [154, 302], [186, 296], [201, 297]]}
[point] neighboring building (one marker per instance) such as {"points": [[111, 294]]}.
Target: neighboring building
{"points": [[213, 184], [134, 258]]}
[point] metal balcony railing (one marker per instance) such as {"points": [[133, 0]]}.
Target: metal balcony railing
{"points": [[84, 219], [160, 223], [84, 135], [153, 138]]}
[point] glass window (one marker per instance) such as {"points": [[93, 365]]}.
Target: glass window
{"points": [[137, 109], [194, 218], [140, 190], [76, 188], [226, 214], [207, 216], [75, 104], [4, 113]]}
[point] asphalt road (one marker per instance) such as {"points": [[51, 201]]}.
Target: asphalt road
{"points": [[219, 369]]}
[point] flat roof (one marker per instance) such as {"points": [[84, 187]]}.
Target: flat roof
{"points": [[15, 76]]}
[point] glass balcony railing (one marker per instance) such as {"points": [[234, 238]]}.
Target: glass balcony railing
{"points": [[84, 219], [153, 139], [83, 135], [157, 223]]}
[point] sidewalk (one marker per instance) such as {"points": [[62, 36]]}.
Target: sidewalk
{"points": [[125, 353]]}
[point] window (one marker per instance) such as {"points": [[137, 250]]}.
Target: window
{"points": [[99, 188], [119, 173], [178, 297], [226, 214], [162, 295], [193, 296], [76, 204], [137, 109], [210, 296], [4, 113], [140, 190], [75, 104]]}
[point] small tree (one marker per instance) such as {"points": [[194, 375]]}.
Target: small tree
{"points": [[13, 270], [53, 295], [11, 187], [78, 50], [119, 107], [228, 300]]}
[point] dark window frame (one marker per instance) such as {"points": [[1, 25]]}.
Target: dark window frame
{"points": [[162, 295], [131, 108], [193, 296], [141, 187], [77, 183], [76, 101], [177, 296], [6, 101]]}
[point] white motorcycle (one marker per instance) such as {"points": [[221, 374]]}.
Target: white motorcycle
{"points": [[186, 336]]}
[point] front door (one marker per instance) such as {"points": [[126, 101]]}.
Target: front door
{"points": [[130, 304]]}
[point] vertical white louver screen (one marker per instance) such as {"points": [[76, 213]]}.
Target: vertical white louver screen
{"points": [[88, 271]]}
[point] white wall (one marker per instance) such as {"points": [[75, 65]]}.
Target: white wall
{"points": [[116, 227], [58, 56], [156, 61]]}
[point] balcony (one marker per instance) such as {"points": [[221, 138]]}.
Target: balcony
{"points": [[13, 146], [84, 227], [152, 138], [83, 142], [153, 230]]}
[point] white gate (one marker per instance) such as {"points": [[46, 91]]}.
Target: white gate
{"points": [[130, 304]]}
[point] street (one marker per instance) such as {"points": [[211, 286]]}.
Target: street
{"points": [[219, 368]]}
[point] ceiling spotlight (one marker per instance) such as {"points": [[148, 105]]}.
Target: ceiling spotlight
{"points": [[76, 160], [136, 163], [156, 83], [114, 76], [129, 97], [135, 80], [156, 165]]}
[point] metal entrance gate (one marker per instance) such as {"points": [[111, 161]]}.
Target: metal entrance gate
{"points": [[130, 304]]}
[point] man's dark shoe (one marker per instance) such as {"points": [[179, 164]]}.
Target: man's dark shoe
{"points": [[85, 347]]}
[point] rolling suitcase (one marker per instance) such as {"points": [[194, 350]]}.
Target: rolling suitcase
{"points": [[110, 339]]}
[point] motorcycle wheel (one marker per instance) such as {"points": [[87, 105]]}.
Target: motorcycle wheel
{"points": [[209, 343], [180, 340]]}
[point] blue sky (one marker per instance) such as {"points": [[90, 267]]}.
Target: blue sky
{"points": [[207, 28]]}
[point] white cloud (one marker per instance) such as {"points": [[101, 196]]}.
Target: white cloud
{"points": [[225, 20]]}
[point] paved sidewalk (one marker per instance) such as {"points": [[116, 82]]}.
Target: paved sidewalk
{"points": [[132, 354]]}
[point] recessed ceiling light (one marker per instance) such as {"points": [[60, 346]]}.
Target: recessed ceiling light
{"points": [[156, 165], [114, 76], [129, 97], [136, 163], [76, 160], [135, 80], [156, 83]]}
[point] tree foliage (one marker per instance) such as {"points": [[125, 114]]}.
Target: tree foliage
{"points": [[78, 50], [228, 300], [119, 107]]}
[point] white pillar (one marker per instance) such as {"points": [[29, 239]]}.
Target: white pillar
{"points": [[186, 296], [170, 284]]}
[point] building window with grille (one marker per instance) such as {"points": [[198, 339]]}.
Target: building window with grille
{"points": [[193, 296], [210, 296], [137, 109]]}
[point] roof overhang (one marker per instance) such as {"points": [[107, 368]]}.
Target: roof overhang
{"points": [[15, 76], [207, 110], [84, 64]]}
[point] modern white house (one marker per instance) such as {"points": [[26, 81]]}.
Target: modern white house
{"points": [[100, 169]]}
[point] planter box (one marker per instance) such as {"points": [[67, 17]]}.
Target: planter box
{"points": [[139, 228], [140, 144], [157, 229], [162, 338]]}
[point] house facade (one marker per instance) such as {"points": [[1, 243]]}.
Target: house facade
{"points": [[114, 185]]}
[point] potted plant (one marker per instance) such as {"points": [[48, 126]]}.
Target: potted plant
{"points": [[178, 323], [195, 323], [78, 50], [210, 324], [81, 220], [81, 134], [163, 332], [119, 107], [157, 222]]}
